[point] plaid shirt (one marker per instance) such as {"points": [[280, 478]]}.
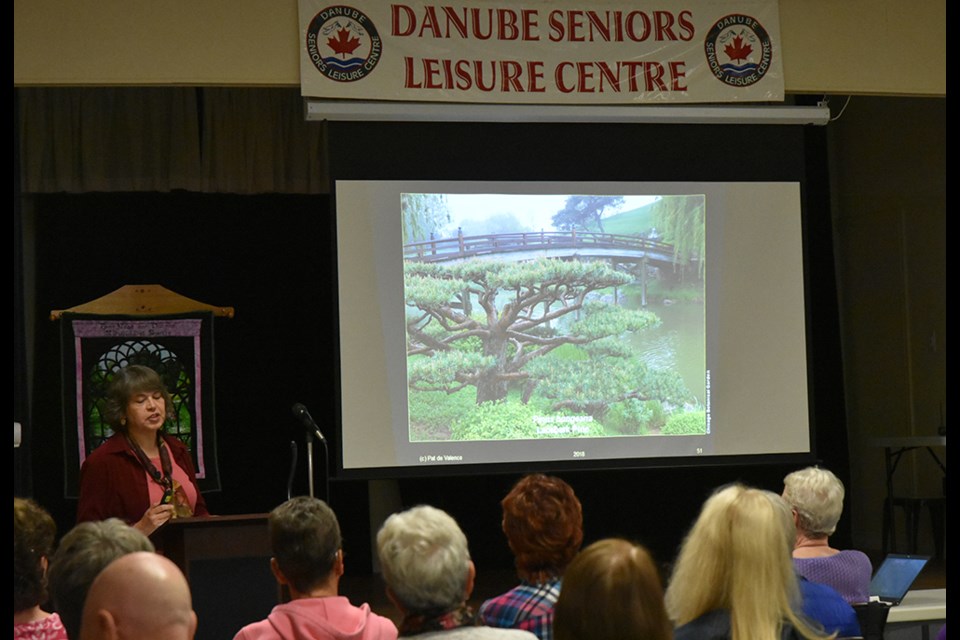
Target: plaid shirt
{"points": [[528, 606]]}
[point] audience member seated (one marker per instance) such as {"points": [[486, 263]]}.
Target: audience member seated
{"points": [[543, 522], [82, 554], [139, 596], [429, 576], [823, 604], [308, 560], [34, 534], [816, 497], [611, 591], [733, 578]]}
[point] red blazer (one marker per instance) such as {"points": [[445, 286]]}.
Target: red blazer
{"points": [[113, 484]]}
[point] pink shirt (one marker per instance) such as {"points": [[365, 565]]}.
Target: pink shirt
{"points": [[330, 618], [49, 628], [155, 491]]}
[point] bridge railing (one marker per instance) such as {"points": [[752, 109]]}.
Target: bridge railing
{"points": [[460, 246]]}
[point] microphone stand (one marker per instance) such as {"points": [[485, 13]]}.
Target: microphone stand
{"points": [[300, 413], [311, 434], [310, 460], [326, 472]]}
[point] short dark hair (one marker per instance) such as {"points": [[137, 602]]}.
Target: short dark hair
{"points": [[305, 539], [126, 383], [34, 533], [543, 522]]}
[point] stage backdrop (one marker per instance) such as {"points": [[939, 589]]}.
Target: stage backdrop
{"points": [[178, 347], [535, 52]]}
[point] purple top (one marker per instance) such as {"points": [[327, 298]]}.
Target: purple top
{"points": [[848, 572]]}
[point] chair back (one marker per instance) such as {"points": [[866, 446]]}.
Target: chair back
{"points": [[873, 619]]}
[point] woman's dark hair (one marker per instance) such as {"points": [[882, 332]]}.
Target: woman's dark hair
{"points": [[126, 383], [34, 533], [543, 522], [620, 579]]}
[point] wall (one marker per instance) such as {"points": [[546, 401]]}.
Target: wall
{"points": [[858, 46], [889, 211]]}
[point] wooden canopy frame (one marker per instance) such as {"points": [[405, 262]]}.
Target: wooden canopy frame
{"points": [[143, 299]]}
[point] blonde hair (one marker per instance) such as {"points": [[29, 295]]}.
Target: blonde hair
{"points": [[737, 557], [817, 496]]}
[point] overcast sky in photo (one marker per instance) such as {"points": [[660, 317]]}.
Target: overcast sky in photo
{"points": [[534, 211]]}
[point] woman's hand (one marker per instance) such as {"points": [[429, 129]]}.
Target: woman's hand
{"points": [[154, 517]]}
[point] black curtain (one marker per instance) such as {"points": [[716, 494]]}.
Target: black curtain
{"points": [[22, 469]]}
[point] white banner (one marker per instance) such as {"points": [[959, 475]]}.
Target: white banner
{"points": [[539, 52]]}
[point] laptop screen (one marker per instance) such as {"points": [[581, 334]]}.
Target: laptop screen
{"points": [[895, 576]]}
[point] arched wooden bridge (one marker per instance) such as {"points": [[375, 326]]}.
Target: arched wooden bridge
{"points": [[530, 245]]}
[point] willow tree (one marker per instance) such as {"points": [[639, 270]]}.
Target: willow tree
{"points": [[521, 311], [423, 213], [681, 221]]}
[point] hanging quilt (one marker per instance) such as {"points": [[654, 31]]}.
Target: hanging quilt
{"points": [[178, 347]]}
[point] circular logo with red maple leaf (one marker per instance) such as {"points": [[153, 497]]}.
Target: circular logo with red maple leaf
{"points": [[738, 50], [343, 43]]}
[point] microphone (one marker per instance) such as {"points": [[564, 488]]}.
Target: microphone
{"points": [[301, 414]]}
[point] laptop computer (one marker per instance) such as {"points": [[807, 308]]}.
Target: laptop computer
{"points": [[895, 576]]}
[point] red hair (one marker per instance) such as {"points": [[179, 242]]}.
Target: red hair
{"points": [[543, 522]]}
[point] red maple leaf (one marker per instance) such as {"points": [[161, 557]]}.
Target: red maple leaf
{"points": [[344, 43], [738, 50]]}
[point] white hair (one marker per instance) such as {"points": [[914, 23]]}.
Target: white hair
{"points": [[424, 558], [817, 496]]}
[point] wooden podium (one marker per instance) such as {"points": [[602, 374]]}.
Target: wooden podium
{"points": [[226, 560]]}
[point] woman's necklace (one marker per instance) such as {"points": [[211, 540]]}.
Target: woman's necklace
{"points": [[813, 548], [164, 479], [813, 543]]}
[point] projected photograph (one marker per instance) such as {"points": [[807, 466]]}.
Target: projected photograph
{"points": [[532, 316]]}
